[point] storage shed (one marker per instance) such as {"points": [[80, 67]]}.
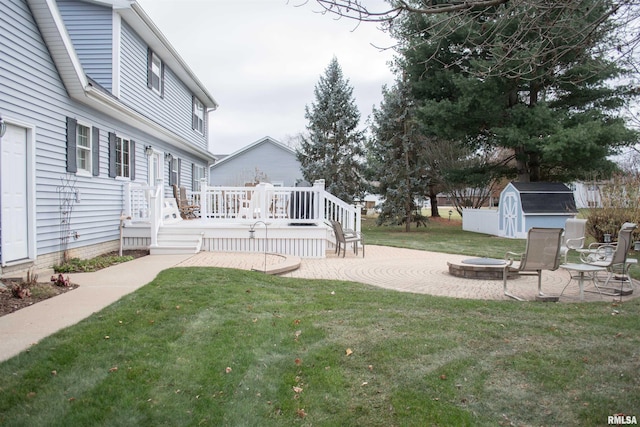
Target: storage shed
{"points": [[534, 204]]}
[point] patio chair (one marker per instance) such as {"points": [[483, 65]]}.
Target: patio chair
{"points": [[345, 236], [186, 210], [542, 253], [573, 237], [613, 257]]}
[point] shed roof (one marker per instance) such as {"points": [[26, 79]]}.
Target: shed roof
{"points": [[541, 187], [546, 198]]}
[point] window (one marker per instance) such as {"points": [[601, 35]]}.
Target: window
{"points": [[174, 171], [198, 115], [123, 150], [122, 157], [155, 72], [83, 148], [198, 174]]}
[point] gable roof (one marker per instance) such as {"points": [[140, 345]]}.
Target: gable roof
{"points": [[265, 140], [82, 89]]}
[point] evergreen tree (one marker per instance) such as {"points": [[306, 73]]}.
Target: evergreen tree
{"points": [[333, 148], [395, 157], [549, 100]]}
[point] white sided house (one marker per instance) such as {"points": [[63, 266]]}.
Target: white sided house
{"points": [[92, 98], [100, 117], [265, 160]]}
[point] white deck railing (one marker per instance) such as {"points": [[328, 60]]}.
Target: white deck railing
{"points": [[299, 205], [264, 202], [137, 201]]}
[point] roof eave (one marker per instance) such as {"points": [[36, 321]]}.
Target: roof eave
{"points": [[105, 103], [57, 39]]}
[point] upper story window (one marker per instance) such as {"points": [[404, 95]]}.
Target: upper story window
{"points": [[123, 155], [83, 148], [155, 72], [198, 115]]}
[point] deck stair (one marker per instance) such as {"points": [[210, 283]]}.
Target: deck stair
{"points": [[171, 241]]}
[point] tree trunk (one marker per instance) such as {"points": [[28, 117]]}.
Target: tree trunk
{"points": [[521, 165], [433, 198]]}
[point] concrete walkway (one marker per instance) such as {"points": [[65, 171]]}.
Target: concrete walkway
{"points": [[403, 270]]}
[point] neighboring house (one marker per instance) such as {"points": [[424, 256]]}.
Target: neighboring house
{"points": [[266, 160], [93, 97], [587, 194]]}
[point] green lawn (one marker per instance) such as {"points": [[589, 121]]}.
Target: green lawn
{"points": [[444, 235], [219, 347], [440, 235]]}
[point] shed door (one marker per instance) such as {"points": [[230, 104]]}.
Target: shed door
{"points": [[510, 214], [14, 190]]}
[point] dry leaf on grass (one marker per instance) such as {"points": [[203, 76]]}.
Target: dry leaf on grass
{"points": [[348, 352]]}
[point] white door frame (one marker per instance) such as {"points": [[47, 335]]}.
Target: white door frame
{"points": [[30, 131]]}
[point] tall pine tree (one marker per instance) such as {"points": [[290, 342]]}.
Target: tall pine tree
{"points": [[395, 157], [551, 100], [333, 148]]}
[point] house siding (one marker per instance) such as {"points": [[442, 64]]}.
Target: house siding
{"points": [[172, 110], [90, 27], [32, 92], [278, 164]]}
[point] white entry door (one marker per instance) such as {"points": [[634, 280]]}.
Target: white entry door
{"points": [[15, 194]]}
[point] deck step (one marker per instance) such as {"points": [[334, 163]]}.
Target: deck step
{"points": [[175, 244], [172, 250]]}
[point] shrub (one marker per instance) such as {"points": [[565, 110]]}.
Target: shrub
{"points": [[620, 201], [77, 265]]}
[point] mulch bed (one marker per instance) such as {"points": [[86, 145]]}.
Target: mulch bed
{"points": [[40, 291]]}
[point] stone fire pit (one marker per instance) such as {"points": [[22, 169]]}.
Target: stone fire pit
{"points": [[479, 268]]}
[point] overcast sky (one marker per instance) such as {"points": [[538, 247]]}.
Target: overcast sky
{"points": [[261, 59]]}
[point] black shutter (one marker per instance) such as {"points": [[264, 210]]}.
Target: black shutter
{"points": [[161, 79], [172, 177], [112, 155], [132, 160], [149, 66], [193, 112], [72, 164], [179, 171], [95, 151]]}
